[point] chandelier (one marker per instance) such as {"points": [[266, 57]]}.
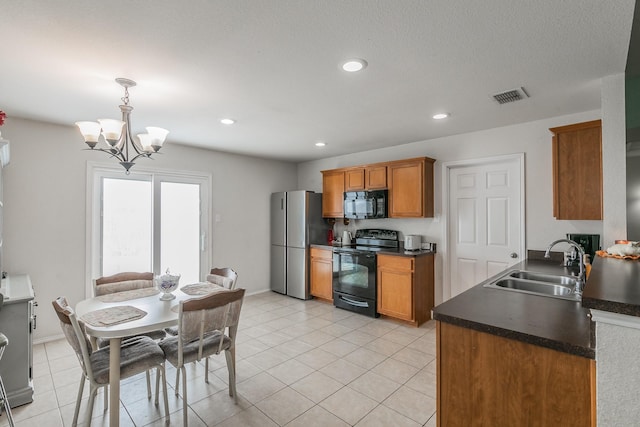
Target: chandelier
{"points": [[117, 134]]}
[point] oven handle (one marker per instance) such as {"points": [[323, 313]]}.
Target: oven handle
{"points": [[354, 302], [366, 254]]}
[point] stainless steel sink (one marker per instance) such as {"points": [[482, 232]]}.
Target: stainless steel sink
{"points": [[547, 278], [534, 283]]}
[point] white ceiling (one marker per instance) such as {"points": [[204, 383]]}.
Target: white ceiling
{"points": [[274, 66]]}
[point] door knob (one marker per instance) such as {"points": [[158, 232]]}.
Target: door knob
{"points": [[513, 255]]}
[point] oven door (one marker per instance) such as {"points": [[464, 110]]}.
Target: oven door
{"points": [[354, 273]]}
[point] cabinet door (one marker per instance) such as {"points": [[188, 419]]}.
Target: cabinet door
{"points": [[395, 287], [504, 382], [333, 194], [406, 188], [354, 179], [321, 274], [376, 177], [577, 171]]}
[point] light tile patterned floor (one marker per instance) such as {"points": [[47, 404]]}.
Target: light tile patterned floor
{"points": [[299, 363]]}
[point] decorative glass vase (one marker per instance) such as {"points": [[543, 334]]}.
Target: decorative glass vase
{"points": [[167, 283]]}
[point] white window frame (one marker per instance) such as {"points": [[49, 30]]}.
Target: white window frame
{"points": [[97, 171]]}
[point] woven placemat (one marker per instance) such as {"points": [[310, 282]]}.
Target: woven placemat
{"points": [[128, 295], [201, 288], [113, 315]]}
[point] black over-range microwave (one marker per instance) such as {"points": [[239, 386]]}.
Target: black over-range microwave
{"points": [[365, 204]]}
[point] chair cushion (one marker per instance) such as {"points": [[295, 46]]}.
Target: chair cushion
{"points": [[137, 355], [172, 331], [190, 350]]}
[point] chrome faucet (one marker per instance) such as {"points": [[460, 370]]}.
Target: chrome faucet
{"points": [[581, 276]]}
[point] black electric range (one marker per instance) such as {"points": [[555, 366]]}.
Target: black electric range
{"points": [[354, 270]]}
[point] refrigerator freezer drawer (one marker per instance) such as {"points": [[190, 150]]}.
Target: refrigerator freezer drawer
{"points": [[278, 279]]}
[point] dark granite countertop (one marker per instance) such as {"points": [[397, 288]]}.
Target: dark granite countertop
{"points": [[553, 323], [614, 286], [386, 251]]}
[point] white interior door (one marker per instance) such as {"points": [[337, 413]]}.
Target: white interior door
{"points": [[485, 219]]}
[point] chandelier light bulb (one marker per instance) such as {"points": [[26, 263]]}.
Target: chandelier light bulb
{"points": [[90, 131], [145, 140], [111, 130]]}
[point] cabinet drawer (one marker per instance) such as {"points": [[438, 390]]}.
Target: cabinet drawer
{"points": [[395, 262], [321, 253]]}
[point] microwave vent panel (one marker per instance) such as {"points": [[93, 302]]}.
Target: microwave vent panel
{"points": [[510, 96]]}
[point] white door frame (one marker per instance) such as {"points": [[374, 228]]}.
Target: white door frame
{"points": [[446, 168]]}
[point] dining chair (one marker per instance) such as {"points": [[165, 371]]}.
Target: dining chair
{"points": [[121, 282], [138, 354], [223, 276], [207, 325], [4, 398]]}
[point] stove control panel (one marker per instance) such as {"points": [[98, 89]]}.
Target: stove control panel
{"points": [[376, 233]]}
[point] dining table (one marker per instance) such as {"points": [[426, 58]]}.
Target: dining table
{"points": [[158, 314]]}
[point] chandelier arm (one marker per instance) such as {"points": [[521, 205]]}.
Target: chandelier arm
{"points": [[141, 155], [113, 153]]}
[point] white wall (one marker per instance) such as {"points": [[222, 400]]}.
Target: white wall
{"points": [[44, 217], [614, 182], [533, 138]]}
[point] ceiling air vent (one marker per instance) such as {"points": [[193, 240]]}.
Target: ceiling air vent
{"points": [[510, 95]]}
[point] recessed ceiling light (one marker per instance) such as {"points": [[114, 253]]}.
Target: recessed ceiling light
{"points": [[321, 144], [227, 121], [440, 116], [354, 65]]}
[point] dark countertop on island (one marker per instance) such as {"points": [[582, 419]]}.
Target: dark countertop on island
{"points": [[553, 323], [614, 286], [386, 251]]}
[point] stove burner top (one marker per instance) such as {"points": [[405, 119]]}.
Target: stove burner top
{"points": [[373, 239]]}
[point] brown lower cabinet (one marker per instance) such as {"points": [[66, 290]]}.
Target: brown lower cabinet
{"points": [[487, 380], [322, 273], [405, 287]]}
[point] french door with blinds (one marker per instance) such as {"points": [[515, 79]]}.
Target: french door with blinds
{"points": [[149, 221]]}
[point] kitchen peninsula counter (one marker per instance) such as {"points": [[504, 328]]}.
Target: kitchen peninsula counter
{"points": [[614, 286], [557, 324]]}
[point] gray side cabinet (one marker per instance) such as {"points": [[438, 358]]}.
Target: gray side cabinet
{"points": [[17, 322]]}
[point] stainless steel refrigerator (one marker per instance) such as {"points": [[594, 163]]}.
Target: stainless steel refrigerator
{"points": [[296, 222]]}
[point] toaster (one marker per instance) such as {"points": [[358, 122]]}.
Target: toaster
{"points": [[412, 242]]}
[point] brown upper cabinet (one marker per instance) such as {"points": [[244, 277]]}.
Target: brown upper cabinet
{"points": [[411, 188], [410, 184], [333, 193], [577, 171], [365, 178]]}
